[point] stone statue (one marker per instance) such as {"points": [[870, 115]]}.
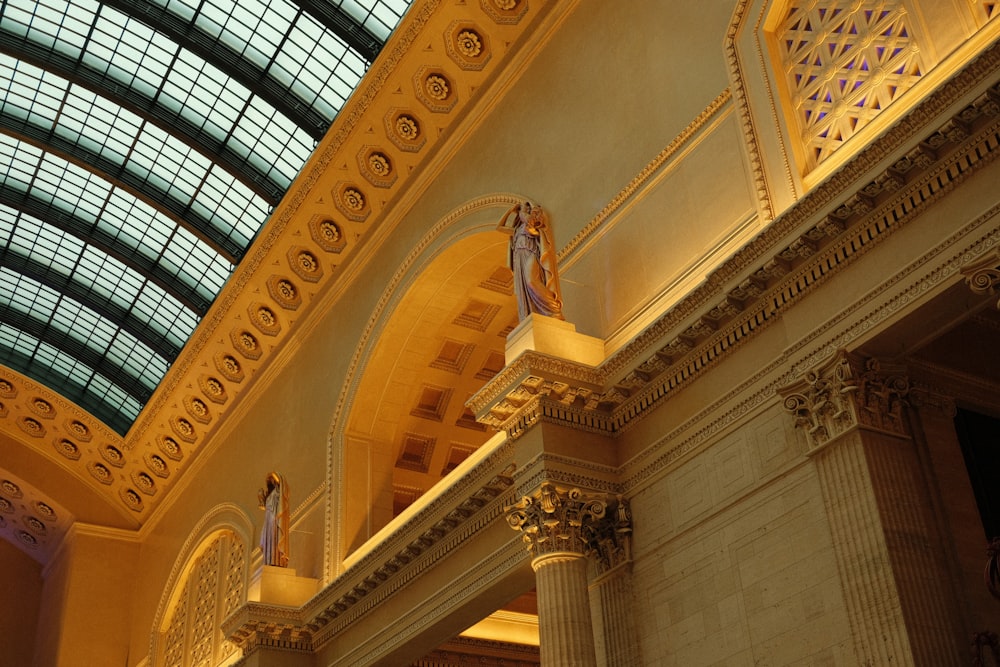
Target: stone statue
{"points": [[274, 535], [532, 258]]}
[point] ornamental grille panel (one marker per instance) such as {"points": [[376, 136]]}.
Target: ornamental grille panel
{"points": [[844, 63], [213, 589]]}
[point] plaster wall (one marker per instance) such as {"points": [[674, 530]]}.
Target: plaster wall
{"points": [[87, 599], [22, 588]]}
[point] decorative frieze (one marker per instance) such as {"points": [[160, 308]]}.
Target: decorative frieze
{"points": [[418, 546]]}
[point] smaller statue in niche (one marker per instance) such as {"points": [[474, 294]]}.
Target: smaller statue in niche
{"points": [[273, 499], [532, 259]]}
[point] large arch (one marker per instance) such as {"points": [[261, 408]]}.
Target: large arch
{"points": [[433, 340]]}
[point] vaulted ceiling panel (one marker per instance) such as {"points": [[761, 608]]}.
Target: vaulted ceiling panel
{"points": [[143, 145]]}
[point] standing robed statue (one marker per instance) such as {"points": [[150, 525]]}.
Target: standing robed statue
{"points": [[273, 499], [532, 259]]}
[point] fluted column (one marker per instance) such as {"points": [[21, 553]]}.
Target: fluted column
{"points": [[564, 628], [854, 415], [554, 524], [611, 593]]}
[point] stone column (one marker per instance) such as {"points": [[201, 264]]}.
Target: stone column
{"points": [[554, 523], [611, 593], [893, 573]]}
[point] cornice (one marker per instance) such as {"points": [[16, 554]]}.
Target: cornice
{"points": [[474, 502], [923, 276]]}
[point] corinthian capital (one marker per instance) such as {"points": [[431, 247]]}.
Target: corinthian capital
{"points": [[983, 275], [848, 391], [555, 519]]}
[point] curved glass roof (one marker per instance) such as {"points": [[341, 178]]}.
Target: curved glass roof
{"points": [[143, 145]]}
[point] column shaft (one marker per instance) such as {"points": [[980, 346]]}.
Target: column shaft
{"points": [[564, 626], [612, 601]]}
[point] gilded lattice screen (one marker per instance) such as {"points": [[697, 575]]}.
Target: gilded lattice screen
{"points": [[844, 62], [214, 588]]}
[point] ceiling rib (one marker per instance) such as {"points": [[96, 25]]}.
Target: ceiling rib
{"points": [[120, 176], [94, 236], [92, 359], [83, 294], [229, 61], [344, 26]]}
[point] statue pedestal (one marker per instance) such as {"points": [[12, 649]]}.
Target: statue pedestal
{"points": [[281, 586], [557, 338]]}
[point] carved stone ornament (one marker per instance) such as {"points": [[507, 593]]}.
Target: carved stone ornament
{"points": [[7, 389], [31, 426], [198, 409], [609, 541], [213, 388], [284, 292], [555, 519], [435, 89], [169, 447], [305, 264], [229, 367], [352, 202], [377, 167], [42, 408], [983, 276], [467, 46], [844, 392], [67, 448], [328, 235], [504, 12], [404, 130], [183, 428], [264, 318]]}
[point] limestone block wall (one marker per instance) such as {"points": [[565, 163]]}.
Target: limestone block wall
{"points": [[734, 559]]}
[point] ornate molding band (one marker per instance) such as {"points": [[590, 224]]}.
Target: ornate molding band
{"points": [[400, 559]]}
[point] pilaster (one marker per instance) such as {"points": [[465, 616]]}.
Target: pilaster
{"points": [[854, 414], [611, 591]]}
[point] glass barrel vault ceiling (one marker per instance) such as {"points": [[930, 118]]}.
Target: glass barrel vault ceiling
{"points": [[143, 145]]}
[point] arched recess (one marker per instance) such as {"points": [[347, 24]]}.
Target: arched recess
{"points": [[207, 583], [436, 336]]}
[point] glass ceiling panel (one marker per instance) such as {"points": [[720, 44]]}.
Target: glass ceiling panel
{"points": [[205, 109], [75, 380], [95, 276], [136, 56], [65, 319], [113, 214], [379, 17]]}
